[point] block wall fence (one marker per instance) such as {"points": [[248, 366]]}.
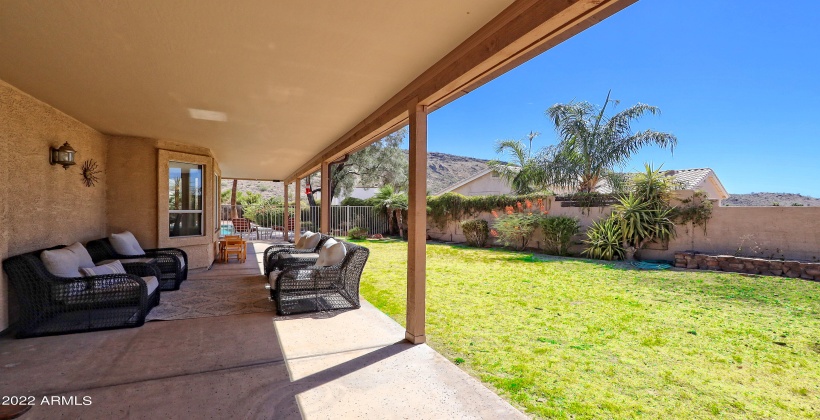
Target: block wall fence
{"points": [[782, 233]]}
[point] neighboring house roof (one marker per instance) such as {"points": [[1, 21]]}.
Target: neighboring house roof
{"points": [[687, 179], [462, 183]]}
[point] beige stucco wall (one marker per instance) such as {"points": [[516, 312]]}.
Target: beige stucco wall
{"points": [[44, 205], [133, 197], [484, 185], [453, 231], [765, 232]]}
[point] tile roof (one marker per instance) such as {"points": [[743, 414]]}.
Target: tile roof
{"points": [[687, 179]]}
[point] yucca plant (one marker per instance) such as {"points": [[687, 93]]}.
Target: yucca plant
{"points": [[642, 222], [604, 240]]}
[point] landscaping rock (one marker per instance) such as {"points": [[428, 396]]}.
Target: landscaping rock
{"points": [[792, 269]]}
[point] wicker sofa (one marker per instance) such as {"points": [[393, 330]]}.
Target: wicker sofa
{"points": [[301, 288], [271, 260], [173, 262], [55, 305]]}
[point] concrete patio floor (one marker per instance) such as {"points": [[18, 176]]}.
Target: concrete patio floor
{"points": [[351, 364]]}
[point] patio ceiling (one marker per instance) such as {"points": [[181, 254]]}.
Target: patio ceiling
{"points": [[296, 82], [291, 76]]}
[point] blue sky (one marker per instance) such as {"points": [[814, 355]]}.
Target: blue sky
{"points": [[737, 82]]}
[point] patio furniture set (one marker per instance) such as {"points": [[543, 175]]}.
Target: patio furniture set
{"points": [[110, 283], [317, 273], [114, 283]]}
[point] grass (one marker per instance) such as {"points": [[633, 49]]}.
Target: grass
{"points": [[569, 338]]}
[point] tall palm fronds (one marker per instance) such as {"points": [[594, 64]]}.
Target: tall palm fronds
{"points": [[523, 173], [392, 202], [591, 144]]}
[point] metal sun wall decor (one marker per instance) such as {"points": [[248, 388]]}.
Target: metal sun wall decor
{"points": [[90, 173]]}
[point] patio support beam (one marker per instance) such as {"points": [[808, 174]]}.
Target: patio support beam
{"points": [[417, 224], [297, 211], [523, 30], [324, 208], [285, 213]]}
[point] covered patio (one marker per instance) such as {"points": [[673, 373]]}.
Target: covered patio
{"points": [[256, 365], [166, 99]]}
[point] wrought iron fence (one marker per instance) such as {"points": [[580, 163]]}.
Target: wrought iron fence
{"points": [[267, 222]]}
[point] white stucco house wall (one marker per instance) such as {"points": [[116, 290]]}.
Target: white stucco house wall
{"points": [[486, 182], [358, 192], [699, 179]]}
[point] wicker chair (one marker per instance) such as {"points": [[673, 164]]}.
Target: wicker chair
{"points": [[271, 260], [52, 305], [299, 289], [173, 262]]}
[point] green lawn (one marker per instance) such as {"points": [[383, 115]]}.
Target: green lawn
{"points": [[568, 338]]}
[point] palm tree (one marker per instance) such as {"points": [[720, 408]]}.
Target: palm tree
{"points": [[522, 175], [234, 212], [392, 202], [591, 144]]}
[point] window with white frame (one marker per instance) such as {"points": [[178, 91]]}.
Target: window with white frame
{"points": [[185, 191]]}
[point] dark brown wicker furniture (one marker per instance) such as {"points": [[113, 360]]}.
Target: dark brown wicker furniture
{"points": [[299, 289], [55, 305], [173, 262], [271, 260]]}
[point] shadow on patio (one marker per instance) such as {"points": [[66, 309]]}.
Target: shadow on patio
{"points": [[251, 365]]}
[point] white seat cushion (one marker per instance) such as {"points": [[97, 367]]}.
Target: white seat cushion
{"points": [[284, 255], [312, 240], [125, 244], [272, 278], [103, 269], [128, 260], [332, 253], [61, 262], [300, 244], [83, 257], [152, 283]]}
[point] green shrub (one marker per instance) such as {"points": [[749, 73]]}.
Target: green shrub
{"points": [[476, 231], [604, 240], [558, 232], [357, 233], [452, 207], [353, 201], [515, 227]]}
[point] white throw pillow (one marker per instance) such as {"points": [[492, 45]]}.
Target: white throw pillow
{"points": [[83, 257], [300, 244], [61, 263], [125, 244], [331, 253], [100, 270], [312, 240]]}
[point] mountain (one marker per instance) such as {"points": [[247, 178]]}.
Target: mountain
{"points": [[770, 199], [443, 170]]}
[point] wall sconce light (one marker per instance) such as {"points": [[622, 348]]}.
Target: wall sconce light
{"points": [[62, 156]]}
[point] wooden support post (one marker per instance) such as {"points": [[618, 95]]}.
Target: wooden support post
{"points": [[417, 224], [285, 214], [297, 211], [324, 208]]}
